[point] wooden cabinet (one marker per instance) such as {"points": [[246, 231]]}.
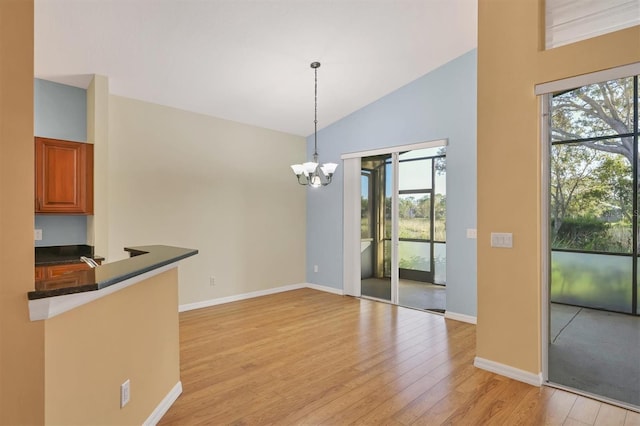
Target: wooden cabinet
{"points": [[53, 271], [57, 270], [64, 176], [41, 272]]}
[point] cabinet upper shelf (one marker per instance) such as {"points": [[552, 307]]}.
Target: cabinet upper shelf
{"points": [[63, 176]]}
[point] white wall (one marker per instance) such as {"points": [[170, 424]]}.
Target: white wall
{"points": [[224, 188]]}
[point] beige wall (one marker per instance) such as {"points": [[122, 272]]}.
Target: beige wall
{"points": [[91, 350], [510, 63], [221, 187], [21, 341]]}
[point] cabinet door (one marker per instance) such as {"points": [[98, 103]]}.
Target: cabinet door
{"points": [[64, 176], [59, 270], [41, 273]]}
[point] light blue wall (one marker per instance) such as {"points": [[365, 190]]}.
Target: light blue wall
{"points": [[60, 113], [61, 230], [441, 104]]}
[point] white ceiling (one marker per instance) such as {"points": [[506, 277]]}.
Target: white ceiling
{"points": [[248, 61]]}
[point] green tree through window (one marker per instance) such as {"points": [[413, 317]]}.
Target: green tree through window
{"points": [[592, 132]]}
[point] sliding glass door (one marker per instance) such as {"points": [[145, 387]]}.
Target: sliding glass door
{"points": [[594, 333], [403, 228]]}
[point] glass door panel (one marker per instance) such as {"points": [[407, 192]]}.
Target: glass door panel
{"points": [[416, 229], [375, 225], [403, 232], [594, 330]]}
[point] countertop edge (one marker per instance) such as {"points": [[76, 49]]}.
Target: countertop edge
{"points": [[145, 262], [49, 307], [114, 272], [70, 261]]}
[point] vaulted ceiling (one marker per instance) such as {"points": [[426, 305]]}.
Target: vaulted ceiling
{"points": [[248, 60]]}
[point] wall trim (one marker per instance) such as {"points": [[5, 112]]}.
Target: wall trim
{"points": [[237, 297], [508, 371], [164, 405], [460, 317], [228, 299], [586, 79], [325, 288], [396, 148]]}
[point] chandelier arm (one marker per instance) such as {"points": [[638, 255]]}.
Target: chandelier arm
{"points": [[324, 178]]}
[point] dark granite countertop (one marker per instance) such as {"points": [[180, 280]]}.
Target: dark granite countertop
{"points": [[143, 259], [58, 255]]}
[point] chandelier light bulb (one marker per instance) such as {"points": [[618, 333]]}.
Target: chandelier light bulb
{"points": [[316, 182]]}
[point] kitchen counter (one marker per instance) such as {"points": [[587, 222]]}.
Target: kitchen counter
{"points": [[143, 260], [60, 255]]}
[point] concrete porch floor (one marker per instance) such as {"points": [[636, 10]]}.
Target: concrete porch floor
{"points": [[596, 352]]}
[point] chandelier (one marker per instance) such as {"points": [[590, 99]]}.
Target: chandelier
{"points": [[311, 173]]}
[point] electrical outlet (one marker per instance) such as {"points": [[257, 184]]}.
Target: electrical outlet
{"points": [[37, 234], [472, 233], [315, 268], [212, 281], [125, 393]]}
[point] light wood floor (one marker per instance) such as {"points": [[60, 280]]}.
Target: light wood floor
{"points": [[308, 357]]}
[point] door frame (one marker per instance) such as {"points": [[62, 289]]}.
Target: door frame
{"points": [[351, 284], [545, 245]]}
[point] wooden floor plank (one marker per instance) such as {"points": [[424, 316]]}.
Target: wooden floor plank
{"points": [[531, 409], [306, 357], [632, 419], [609, 415], [585, 410]]}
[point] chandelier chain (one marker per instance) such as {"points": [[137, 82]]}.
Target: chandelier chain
{"points": [[315, 117]]}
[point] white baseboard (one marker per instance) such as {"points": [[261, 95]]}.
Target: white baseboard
{"points": [[237, 297], [328, 289], [164, 405], [508, 371], [251, 295], [460, 317]]}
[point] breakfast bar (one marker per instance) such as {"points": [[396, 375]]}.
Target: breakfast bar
{"points": [[53, 296], [111, 327]]}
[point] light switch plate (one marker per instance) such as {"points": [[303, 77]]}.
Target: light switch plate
{"points": [[472, 233], [502, 239], [125, 393], [37, 234]]}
